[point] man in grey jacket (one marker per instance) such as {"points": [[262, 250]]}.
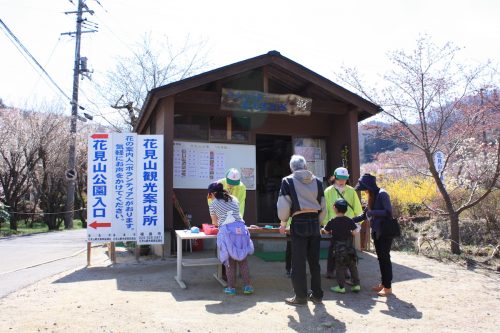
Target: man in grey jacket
{"points": [[301, 197]]}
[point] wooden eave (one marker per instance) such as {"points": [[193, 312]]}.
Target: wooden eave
{"points": [[278, 70]]}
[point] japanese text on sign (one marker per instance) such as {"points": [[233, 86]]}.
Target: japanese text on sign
{"points": [[150, 190]]}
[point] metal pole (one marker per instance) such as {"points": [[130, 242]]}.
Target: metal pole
{"points": [[70, 192]]}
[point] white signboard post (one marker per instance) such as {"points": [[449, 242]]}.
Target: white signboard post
{"points": [[125, 188], [124, 170], [439, 163], [100, 191], [150, 189]]}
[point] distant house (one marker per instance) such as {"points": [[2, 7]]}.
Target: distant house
{"points": [[253, 115]]}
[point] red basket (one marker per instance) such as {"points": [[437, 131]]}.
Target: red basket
{"points": [[209, 229]]}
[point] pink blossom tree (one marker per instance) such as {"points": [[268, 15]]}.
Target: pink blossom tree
{"points": [[436, 103]]}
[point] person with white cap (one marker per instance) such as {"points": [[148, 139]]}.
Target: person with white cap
{"points": [[233, 184], [339, 190]]}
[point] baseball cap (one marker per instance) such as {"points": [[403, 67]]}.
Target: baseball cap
{"points": [[233, 177], [341, 173], [341, 204]]}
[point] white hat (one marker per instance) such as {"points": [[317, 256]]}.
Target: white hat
{"points": [[341, 173], [233, 177]]}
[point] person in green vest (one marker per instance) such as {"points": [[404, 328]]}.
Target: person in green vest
{"points": [[339, 190], [233, 184]]}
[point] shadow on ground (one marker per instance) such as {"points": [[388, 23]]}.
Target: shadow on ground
{"points": [[268, 278]]}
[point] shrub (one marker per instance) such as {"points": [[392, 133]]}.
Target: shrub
{"points": [[409, 194], [489, 211]]}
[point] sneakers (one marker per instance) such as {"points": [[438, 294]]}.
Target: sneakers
{"points": [[338, 289], [315, 300], [247, 290], [230, 291], [295, 301], [356, 288]]}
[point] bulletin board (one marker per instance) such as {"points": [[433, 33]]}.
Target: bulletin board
{"points": [[197, 164]]}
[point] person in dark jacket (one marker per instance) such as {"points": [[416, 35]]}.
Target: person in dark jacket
{"points": [[301, 197], [378, 211]]}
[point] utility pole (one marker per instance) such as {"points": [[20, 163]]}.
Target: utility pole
{"points": [[77, 70]]}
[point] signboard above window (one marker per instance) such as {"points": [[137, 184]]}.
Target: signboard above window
{"points": [[259, 102]]}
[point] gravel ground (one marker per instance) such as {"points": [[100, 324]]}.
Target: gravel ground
{"points": [[144, 297]]}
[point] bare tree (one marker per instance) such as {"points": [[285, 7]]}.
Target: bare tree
{"points": [[17, 159], [22, 133], [151, 64], [435, 103], [48, 180]]}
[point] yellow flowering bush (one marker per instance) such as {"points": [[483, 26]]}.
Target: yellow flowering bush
{"points": [[408, 194]]}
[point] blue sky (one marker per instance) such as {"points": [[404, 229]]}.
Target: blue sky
{"points": [[321, 35]]}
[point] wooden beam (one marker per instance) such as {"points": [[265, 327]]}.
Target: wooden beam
{"points": [[265, 79], [354, 161], [199, 97], [229, 128], [199, 100], [167, 107]]}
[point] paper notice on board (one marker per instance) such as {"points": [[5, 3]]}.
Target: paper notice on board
{"points": [[320, 168], [317, 154], [309, 153], [248, 177]]}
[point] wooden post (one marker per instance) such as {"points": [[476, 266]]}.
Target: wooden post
{"points": [[137, 252], [229, 125], [89, 247], [113, 252]]}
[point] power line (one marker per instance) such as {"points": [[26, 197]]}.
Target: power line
{"points": [[24, 51], [47, 62]]}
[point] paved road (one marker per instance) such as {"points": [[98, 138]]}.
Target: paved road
{"points": [[27, 259]]}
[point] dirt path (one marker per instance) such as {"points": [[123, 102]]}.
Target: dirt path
{"points": [[130, 297]]}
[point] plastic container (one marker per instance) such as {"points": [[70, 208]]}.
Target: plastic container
{"points": [[197, 244]]}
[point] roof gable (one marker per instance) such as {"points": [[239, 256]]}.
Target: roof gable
{"points": [[283, 74]]}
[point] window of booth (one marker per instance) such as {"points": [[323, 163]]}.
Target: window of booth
{"points": [[212, 128], [218, 129], [229, 129], [191, 127]]}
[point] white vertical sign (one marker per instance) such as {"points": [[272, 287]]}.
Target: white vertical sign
{"points": [[124, 170], [439, 163], [100, 191], [149, 203]]}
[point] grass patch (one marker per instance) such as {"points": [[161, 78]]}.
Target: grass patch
{"points": [[24, 229]]}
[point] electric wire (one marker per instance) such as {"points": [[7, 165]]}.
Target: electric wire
{"points": [[24, 51], [46, 63]]}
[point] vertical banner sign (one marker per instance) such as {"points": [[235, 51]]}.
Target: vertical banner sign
{"points": [[100, 190], [124, 154], [149, 223], [439, 163]]}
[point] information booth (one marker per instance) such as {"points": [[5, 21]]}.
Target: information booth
{"points": [[251, 115]]}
